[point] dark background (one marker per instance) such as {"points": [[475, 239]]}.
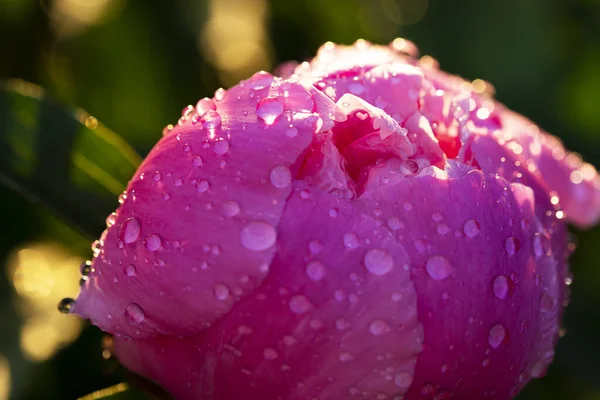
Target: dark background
{"points": [[135, 64]]}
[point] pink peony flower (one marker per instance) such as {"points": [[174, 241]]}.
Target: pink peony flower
{"points": [[364, 226]]}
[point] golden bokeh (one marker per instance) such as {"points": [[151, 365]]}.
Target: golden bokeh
{"points": [[235, 40], [71, 17], [4, 378], [42, 274]]}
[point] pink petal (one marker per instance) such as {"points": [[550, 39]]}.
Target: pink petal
{"points": [[335, 317], [205, 205], [489, 297]]}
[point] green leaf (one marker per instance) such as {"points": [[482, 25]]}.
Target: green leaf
{"points": [[61, 158], [121, 391]]}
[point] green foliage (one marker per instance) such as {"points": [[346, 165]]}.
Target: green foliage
{"points": [[62, 159]]}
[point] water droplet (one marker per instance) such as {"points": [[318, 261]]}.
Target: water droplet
{"points": [[221, 147], [197, 161], [438, 267], [291, 132], [443, 229], [538, 369], [202, 186], [394, 223], [211, 119], [350, 240], [231, 208], [281, 176], [110, 220], [512, 245], [345, 356], [205, 105], [268, 109], [471, 228], [378, 262], [334, 212], [546, 302], [221, 291], [541, 245], [299, 304], [134, 314], [152, 242], [270, 354], [315, 247], [65, 305], [85, 267], [258, 236], [130, 270], [496, 335], [315, 270], [403, 380], [501, 287], [409, 167], [129, 230], [379, 327]]}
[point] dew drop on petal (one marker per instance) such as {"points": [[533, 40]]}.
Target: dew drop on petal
{"points": [[471, 228], [299, 304], [197, 161], [152, 242], [270, 354], [438, 267], [129, 230], [281, 177], [546, 302], [221, 291], [501, 287], [409, 167], [379, 327], [211, 119], [204, 105], [221, 147], [130, 270], [403, 380], [231, 208], [496, 335], [378, 262], [350, 240], [268, 109], [134, 314], [512, 245], [315, 270], [258, 236], [202, 186]]}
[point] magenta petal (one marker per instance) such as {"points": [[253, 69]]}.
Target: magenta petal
{"points": [[335, 317], [489, 287], [209, 172]]}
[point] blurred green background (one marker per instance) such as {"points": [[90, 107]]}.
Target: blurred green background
{"points": [[135, 64]]}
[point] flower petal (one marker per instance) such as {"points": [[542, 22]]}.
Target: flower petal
{"points": [[198, 229], [335, 317]]}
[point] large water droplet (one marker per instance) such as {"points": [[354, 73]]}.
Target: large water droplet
{"points": [[221, 147], [409, 167], [315, 270], [211, 119], [134, 314], [152, 242], [378, 261], [65, 305], [496, 335], [438, 267], [202, 186], [299, 304], [221, 291], [129, 230], [258, 236], [268, 109], [281, 176], [501, 287], [512, 245], [205, 105], [471, 228], [379, 327]]}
